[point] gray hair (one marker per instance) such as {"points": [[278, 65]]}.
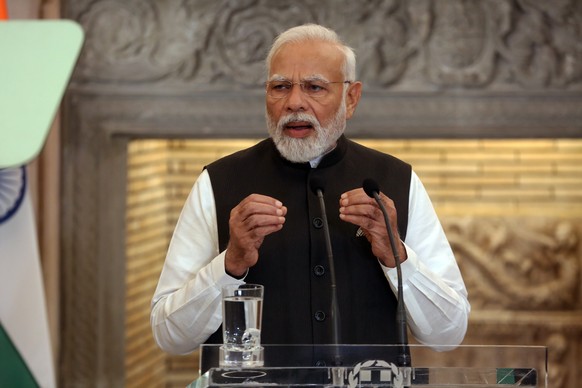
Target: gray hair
{"points": [[314, 32]]}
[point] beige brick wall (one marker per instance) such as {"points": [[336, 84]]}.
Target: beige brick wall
{"points": [[496, 177], [147, 240], [463, 177]]}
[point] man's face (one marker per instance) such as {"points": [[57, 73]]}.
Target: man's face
{"points": [[304, 126]]}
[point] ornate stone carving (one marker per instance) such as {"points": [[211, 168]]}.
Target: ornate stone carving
{"points": [[461, 51], [135, 41], [416, 45], [559, 360], [242, 34], [542, 47], [518, 264]]}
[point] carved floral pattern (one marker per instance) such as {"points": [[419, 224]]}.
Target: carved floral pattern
{"points": [[403, 45], [518, 264], [543, 46], [141, 41], [393, 34], [461, 50], [243, 32]]}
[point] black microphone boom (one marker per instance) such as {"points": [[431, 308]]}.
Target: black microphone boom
{"points": [[372, 190], [316, 186]]}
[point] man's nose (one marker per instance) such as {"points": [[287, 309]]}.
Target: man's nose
{"points": [[296, 100]]}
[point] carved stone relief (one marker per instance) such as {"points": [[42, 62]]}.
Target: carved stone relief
{"points": [[523, 277], [417, 45], [517, 264], [465, 68]]}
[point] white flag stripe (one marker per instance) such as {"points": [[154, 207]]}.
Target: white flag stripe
{"points": [[23, 307]]}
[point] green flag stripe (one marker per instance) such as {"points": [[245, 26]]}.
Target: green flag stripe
{"points": [[13, 370]]}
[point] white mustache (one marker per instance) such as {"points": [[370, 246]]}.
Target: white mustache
{"points": [[298, 117]]}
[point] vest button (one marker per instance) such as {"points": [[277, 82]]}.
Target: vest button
{"points": [[319, 270], [319, 316], [318, 223]]}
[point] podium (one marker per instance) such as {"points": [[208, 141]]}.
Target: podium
{"points": [[375, 366]]}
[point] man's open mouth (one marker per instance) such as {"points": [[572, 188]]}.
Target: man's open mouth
{"points": [[299, 126]]}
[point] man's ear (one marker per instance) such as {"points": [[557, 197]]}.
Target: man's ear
{"points": [[352, 98]]}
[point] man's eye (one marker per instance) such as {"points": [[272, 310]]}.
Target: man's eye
{"points": [[280, 86], [314, 87]]}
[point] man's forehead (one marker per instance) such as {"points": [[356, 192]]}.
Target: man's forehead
{"points": [[311, 47], [307, 60]]}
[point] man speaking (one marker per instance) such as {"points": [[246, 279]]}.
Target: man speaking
{"points": [[252, 217]]}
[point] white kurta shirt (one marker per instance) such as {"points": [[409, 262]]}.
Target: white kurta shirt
{"points": [[186, 307]]}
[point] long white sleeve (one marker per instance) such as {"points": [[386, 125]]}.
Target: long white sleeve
{"points": [[187, 302], [434, 292]]}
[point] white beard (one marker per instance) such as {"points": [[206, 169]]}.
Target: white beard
{"points": [[308, 148]]}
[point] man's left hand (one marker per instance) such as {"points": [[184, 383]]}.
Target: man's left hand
{"points": [[359, 209]]}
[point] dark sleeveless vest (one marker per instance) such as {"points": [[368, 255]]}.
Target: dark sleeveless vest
{"points": [[293, 264]]}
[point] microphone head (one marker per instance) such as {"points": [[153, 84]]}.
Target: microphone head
{"points": [[316, 183], [370, 187]]}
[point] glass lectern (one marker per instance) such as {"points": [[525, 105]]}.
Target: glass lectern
{"points": [[375, 366]]}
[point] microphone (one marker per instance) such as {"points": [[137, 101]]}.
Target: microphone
{"points": [[372, 190], [316, 185]]}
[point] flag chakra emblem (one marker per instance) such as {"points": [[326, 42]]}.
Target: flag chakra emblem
{"points": [[12, 189], [376, 373]]}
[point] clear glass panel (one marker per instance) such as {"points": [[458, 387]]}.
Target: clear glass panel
{"points": [[374, 366]]}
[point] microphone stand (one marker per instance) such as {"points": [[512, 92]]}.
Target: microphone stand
{"points": [[403, 358], [334, 306], [337, 371]]}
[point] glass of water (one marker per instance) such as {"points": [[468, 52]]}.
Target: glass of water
{"points": [[242, 310]]}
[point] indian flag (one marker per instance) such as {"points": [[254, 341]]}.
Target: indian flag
{"points": [[26, 358]]}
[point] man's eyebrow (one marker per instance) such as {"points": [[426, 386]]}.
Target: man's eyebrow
{"points": [[310, 78], [315, 77], [277, 77]]}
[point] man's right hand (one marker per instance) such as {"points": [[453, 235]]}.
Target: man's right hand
{"points": [[250, 221]]}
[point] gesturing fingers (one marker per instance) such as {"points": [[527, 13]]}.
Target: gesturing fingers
{"points": [[258, 214], [358, 208], [250, 221]]}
